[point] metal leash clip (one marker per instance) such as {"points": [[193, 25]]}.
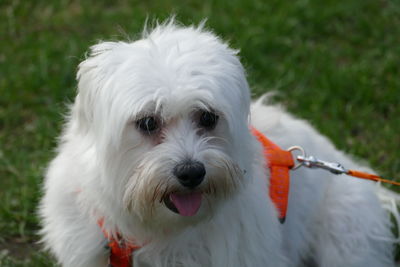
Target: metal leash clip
{"points": [[335, 168], [312, 162]]}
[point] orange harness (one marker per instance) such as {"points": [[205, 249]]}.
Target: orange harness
{"points": [[279, 162], [120, 251]]}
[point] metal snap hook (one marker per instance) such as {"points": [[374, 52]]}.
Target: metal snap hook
{"points": [[303, 154]]}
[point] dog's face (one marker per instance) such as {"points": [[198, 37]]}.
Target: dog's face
{"points": [[168, 116]]}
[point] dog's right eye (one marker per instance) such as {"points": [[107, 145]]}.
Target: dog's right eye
{"points": [[208, 120], [148, 125]]}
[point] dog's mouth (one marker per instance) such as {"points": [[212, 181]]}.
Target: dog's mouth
{"points": [[185, 204]]}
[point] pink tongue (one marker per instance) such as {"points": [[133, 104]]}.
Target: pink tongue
{"points": [[187, 204]]}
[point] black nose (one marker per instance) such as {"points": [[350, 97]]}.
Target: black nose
{"points": [[190, 173]]}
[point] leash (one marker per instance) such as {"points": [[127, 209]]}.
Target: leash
{"points": [[279, 162], [337, 168]]}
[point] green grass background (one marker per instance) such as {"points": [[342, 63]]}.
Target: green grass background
{"points": [[333, 62]]}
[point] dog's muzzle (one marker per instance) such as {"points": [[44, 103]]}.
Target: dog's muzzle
{"points": [[190, 174]]}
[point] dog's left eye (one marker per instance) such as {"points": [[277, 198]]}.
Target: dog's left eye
{"points": [[148, 125], [208, 120]]}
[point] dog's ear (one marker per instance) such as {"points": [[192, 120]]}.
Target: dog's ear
{"points": [[92, 74]]}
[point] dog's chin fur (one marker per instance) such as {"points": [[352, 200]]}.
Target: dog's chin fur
{"points": [[108, 169]]}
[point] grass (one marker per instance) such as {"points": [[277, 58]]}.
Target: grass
{"points": [[334, 63]]}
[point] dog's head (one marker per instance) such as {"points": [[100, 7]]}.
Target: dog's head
{"points": [[168, 116]]}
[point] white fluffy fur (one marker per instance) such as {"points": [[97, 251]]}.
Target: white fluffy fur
{"points": [[106, 168]]}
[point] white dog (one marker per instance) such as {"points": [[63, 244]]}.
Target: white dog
{"points": [[157, 152]]}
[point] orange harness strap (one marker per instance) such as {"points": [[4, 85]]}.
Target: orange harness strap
{"points": [[120, 250], [279, 162]]}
